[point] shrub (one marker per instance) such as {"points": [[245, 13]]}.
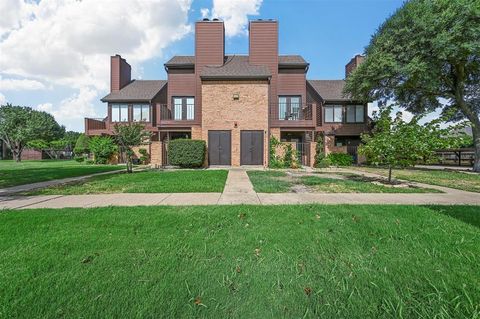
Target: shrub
{"points": [[89, 162], [81, 146], [186, 153], [144, 158], [320, 160], [102, 148], [79, 158], [340, 159]]}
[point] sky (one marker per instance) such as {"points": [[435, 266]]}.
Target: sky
{"points": [[54, 54]]}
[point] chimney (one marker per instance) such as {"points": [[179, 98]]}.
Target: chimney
{"points": [[263, 49], [353, 64], [209, 43], [120, 73]]}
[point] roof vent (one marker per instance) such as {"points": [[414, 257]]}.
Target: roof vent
{"points": [[206, 19], [259, 19], [215, 19]]}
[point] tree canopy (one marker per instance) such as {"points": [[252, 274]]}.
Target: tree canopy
{"points": [[426, 56], [128, 136], [20, 125]]}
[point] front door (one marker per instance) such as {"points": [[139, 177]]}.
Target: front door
{"points": [[251, 150], [219, 148]]}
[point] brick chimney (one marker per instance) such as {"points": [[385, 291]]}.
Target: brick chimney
{"points": [[263, 49], [120, 73], [353, 64]]}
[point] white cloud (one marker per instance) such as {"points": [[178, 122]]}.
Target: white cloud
{"points": [[234, 13], [71, 111], [69, 42], [3, 100], [22, 84]]}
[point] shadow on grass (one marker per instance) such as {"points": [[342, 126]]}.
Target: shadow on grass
{"points": [[467, 214]]}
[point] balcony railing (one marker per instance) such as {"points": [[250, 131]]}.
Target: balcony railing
{"points": [[293, 112], [185, 112], [92, 124]]}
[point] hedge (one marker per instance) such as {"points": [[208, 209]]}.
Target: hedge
{"points": [[186, 153], [340, 159]]}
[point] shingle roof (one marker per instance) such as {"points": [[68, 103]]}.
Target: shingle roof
{"points": [[137, 90], [236, 67], [181, 60], [291, 60], [329, 89], [189, 60]]}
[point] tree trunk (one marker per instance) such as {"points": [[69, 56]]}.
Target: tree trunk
{"points": [[389, 174], [476, 145], [17, 155]]}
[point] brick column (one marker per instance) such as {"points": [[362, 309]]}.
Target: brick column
{"points": [[313, 147], [156, 153]]}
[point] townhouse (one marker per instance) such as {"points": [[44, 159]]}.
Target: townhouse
{"points": [[236, 103]]}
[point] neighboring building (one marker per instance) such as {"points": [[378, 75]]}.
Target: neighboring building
{"points": [[235, 102]]}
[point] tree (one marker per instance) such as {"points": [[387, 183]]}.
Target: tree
{"points": [[396, 143], [20, 125], [128, 136], [426, 56], [102, 147]]}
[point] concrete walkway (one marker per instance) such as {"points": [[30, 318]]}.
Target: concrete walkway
{"points": [[239, 190]]}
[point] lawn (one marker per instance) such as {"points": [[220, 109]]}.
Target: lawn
{"points": [[241, 261], [27, 172], [151, 181], [453, 179], [281, 182]]}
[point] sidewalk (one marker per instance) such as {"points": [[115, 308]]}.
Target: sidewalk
{"points": [[239, 190]]}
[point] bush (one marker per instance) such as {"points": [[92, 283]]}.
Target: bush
{"points": [[186, 153], [79, 159], [81, 146], [320, 160], [89, 162], [102, 148], [144, 158], [340, 159]]}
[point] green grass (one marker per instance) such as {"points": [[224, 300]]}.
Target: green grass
{"points": [[278, 182], [269, 181], [452, 179], [240, 262], [27, 172], [151, 181]]}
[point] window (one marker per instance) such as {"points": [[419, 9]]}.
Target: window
{"points": [[355, 114], [141, 113], [289, 107], [183, 108], [333, 113], [119, 113]]}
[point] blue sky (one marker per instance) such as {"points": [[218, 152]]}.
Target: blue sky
{"points": [[63, 68]]}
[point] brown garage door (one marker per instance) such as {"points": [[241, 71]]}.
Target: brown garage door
{"points": [[251, 151], [219, 148]]}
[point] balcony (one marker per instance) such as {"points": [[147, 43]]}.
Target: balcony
{"points": [[299, 115], [95, 126], [176, 115]]}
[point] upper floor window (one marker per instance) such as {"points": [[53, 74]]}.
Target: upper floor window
{"points": [[119, 113], [289, 107], [333, 113], [183, 108], [141, 113], [355, 113]]}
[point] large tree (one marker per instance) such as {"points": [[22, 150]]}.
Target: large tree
{"points": [[20, 125], [426, 56]]}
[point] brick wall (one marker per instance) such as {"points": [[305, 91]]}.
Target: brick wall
{"points": [[221, 112], [156, 153]]}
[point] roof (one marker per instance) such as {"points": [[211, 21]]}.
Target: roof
{"points": [[137, 90], [236, 67], [329, 89], [189, 60]]}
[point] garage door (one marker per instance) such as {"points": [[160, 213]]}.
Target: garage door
{"points": [[219, 148], [251, 151]]}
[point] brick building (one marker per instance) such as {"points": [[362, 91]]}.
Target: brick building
{"points": [[236, 103]]}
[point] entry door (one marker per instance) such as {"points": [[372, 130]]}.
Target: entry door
{"points": [[219, 148], [251, 151]]}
